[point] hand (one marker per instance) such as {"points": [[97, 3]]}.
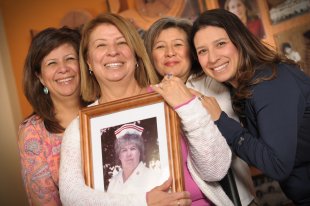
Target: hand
{"points": [[159, 196], [173, 90], [210, 103]]}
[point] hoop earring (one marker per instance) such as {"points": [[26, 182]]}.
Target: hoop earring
{"points": [[45, 90]]}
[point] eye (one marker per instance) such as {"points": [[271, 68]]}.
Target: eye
{"points": [[71, 58], [121, 43], [221, 44], [100, 45], [202, 51], [160, 46], [50, 63], [178, 45]]}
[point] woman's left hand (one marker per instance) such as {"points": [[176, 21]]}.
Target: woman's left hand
{"points": [[173, 90], [210, 103]]}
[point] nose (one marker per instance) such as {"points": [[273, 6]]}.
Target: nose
{"points": [[63, 67], [170, 51], [112, 50], [213, 57]]}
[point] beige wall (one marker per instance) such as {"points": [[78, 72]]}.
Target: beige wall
{"points": [[11, 187]]}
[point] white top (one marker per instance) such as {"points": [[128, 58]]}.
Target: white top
{"points": [[141, 180], [209, 87], [208, 161]]}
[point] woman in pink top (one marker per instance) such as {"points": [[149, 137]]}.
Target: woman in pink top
{"points": [[52, 86], [167, 43]]}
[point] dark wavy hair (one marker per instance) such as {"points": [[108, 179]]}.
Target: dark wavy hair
{"points": [[253, 53], [41, 45]]}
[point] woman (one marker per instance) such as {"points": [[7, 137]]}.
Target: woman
{"points": [[245, 14], [168, 44], [270, 95], [134, 175], [114, 65], [52, 86]]}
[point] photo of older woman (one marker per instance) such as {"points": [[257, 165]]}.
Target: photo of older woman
{"points": [[130, 172]]}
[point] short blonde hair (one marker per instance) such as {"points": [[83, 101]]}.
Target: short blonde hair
{"points": [[144, 74]]}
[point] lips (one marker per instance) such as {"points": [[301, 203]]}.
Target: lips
{"points": [[171, 63], [65, 80], [114, 65], [220, 68]]}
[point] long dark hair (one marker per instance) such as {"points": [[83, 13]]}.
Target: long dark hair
{"points": [[253, 53], [41, 45]]}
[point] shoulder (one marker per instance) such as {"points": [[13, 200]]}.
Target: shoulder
{"points": [[33, 124]]}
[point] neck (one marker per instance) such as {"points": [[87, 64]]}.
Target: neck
{"points": [[117, 91], [66, 110]]}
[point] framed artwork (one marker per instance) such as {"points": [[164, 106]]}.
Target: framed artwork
{"points": [[111, 152], [248, 13], [294, 44], [286, 9]]}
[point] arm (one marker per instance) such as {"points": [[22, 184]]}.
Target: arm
{"points": [[208, 150], [39, 184], [269, 141], [73, 190]]}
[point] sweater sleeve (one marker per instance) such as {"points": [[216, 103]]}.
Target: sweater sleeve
{"points": [[73, 190], [269, 140], [209, 152]]}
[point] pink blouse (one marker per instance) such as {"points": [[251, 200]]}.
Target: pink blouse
{"points": [[40, 154], [198, 198]]}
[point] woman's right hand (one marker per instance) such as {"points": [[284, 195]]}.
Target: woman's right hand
{"points": [[159, 196]]}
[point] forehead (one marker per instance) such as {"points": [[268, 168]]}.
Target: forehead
{"points": [[171, 33], [106, 31], [210, 34]]}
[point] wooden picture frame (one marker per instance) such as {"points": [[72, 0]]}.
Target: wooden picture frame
{"points": [[149, 110]]}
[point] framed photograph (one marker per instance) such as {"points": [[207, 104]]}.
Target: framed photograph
{"points": [[286, 9], [248, 13], [131, 145], [293, 44]]}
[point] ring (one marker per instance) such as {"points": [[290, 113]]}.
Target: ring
{"points": [[201, 97], [179, 204]]}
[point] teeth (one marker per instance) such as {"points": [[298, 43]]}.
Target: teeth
{"points": [[220, 67], [113, 65], [65, 80]]}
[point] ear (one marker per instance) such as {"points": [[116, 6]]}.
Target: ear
{"points": [[40, 78], [89, 65]]}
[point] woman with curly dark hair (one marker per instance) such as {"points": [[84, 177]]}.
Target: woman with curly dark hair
{"points": [[270, 94]]}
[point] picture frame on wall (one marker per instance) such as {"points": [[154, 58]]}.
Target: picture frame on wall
{"points": [[248, 13], [102, 151], [294, 44], [283, 10]]}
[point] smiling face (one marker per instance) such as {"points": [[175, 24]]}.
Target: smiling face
{"points": [[170, 53], [217, 55], [60, 72], [109, 56], [129, 156]]}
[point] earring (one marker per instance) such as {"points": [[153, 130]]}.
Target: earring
{"points": [[90, 72], [137, 65], [45, 90]]}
